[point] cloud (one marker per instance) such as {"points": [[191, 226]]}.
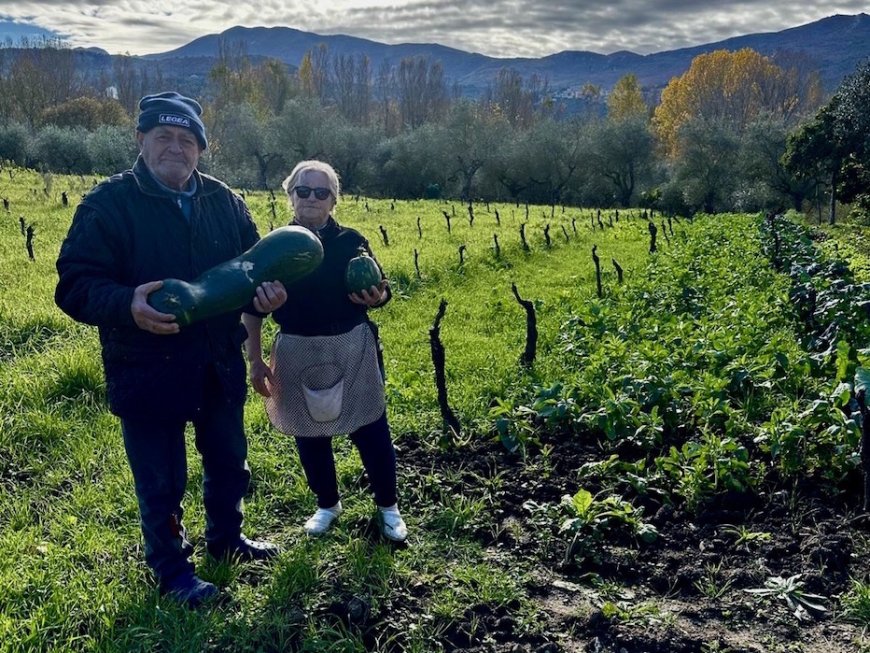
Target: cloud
{"points": [[506, 28]]}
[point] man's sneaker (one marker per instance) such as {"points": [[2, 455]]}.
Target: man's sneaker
{"points": [[189, 590], [243, 550], [322, 520], [392, 525]]}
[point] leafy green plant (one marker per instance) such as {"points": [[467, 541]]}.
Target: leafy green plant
{"points": [[514, 425], [856, 603], [592, 517], [743, 537], [710, 584], [698, 470], [802, 604]]}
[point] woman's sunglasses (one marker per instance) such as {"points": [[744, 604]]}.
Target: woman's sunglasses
{"points": [[305, 191]]}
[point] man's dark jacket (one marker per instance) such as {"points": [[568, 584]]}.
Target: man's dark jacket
{"points": [[129, 231]]}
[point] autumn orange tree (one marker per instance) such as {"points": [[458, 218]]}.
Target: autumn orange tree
{"points": [[731, 89]]}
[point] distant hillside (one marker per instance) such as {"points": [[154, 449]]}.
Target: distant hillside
{"points": [[835, 45]]}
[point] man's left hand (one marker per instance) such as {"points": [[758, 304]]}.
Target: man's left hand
{"points": [[374, 296], [270, 296]]}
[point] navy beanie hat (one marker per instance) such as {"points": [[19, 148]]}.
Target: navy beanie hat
{"points": [[173, 110]]}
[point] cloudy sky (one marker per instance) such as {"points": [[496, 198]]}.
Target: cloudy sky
{"points": [[501, 28]]}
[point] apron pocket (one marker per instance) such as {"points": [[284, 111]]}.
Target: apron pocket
{"points": [[324, 405]]}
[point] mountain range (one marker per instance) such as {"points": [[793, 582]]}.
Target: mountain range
{"points": [[833, 45]]}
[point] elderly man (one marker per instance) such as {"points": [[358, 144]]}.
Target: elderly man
{"points": [[164, 219]]}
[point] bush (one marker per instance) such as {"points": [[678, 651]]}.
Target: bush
{"points": [[112, 149], [14, 140], [61, 149], [86, 112]]}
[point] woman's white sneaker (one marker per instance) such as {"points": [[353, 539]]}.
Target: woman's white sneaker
{"points": [[322, 520], [392, 525]]}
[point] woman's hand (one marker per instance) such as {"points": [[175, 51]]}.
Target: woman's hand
{"points": [[260, 374], [374, 296]]}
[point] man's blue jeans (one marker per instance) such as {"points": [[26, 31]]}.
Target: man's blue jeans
{"points": [[157, 455]]}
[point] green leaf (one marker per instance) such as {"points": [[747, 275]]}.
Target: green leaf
{"points": [[862, 379], [582, 502], [842, 395], [846, 360]]}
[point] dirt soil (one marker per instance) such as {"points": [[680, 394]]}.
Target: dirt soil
{"points": [[684, 593]]}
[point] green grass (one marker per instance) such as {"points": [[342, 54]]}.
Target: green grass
{"points": [[72, 574]]}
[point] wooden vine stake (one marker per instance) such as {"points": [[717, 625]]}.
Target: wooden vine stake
{"points": [[470, 214], [384, 235], [652, 236], [29, 242], [417, 263], [528, 356], [497, 248], [618, 269], [574, 225], [526, 247], [547, 235], [440, 378], [446, 217], [497, 218], [597, 262], [565, 233], [419, 228], [462, 255]]}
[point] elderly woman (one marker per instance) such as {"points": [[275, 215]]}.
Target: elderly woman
{"points": [[326, 371]]}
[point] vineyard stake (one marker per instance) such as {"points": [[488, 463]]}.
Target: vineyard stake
{"points": [[440, 378], [528, 356], [618, 270], [597, 262]]}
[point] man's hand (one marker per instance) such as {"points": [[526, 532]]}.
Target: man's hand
{"points": [[259, 373], [374, 296], [147, 317], [270, 296]]}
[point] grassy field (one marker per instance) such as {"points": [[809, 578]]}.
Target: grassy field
{"points": [[686, 387]]}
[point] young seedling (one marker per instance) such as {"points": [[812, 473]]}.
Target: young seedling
{"points": [[802, 604]]}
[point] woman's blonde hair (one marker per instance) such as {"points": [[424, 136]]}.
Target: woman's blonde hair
{"points": [[313, 165]]}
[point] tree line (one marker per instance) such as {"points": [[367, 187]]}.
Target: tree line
{"points": [[737, 131]]}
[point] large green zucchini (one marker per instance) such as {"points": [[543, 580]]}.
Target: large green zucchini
{"points": [[284, 255]]}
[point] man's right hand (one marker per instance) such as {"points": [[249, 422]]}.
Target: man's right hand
{"points": [[146, 316]]}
